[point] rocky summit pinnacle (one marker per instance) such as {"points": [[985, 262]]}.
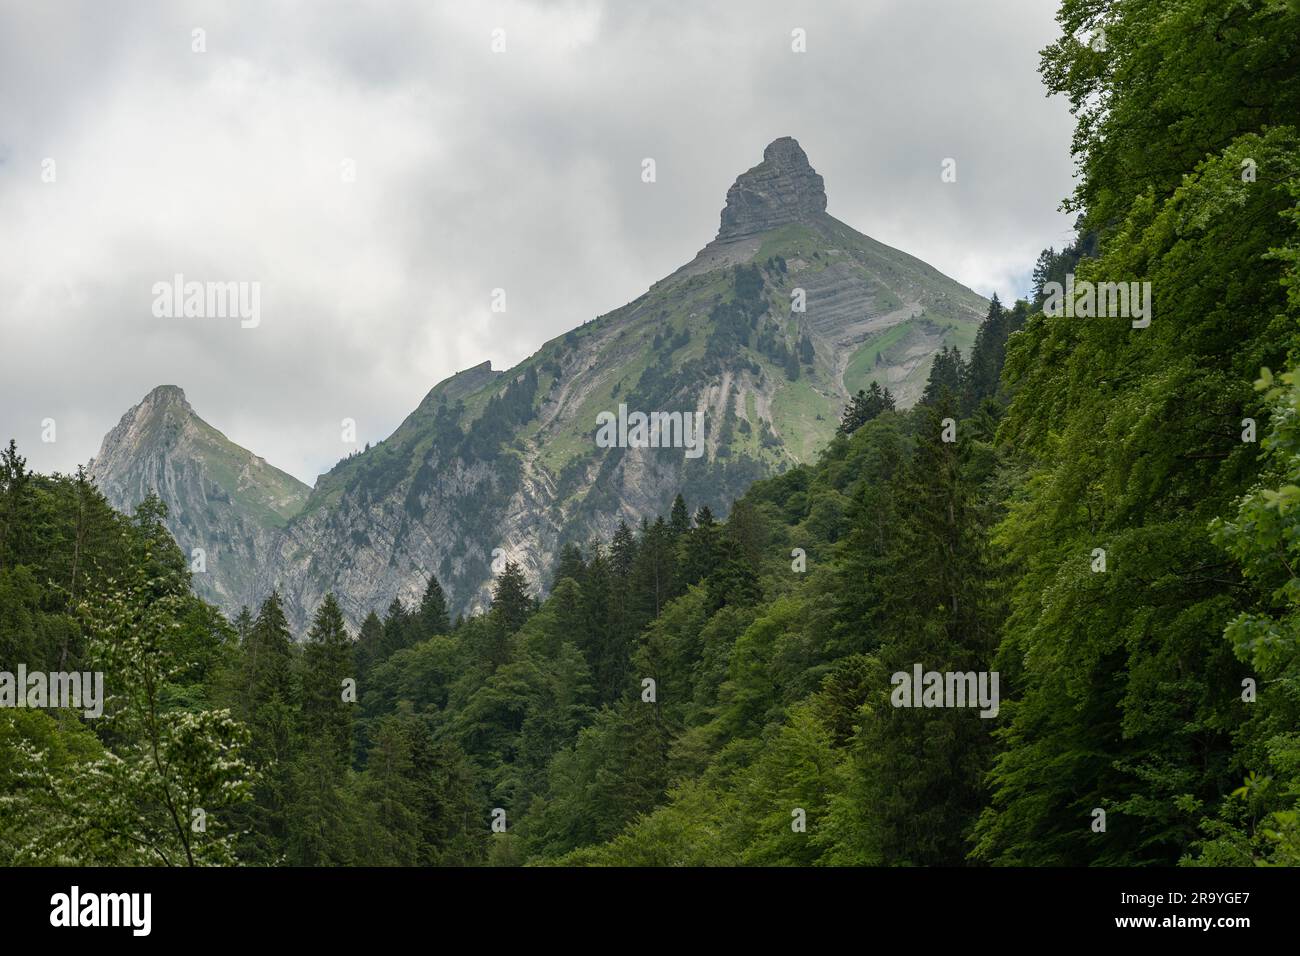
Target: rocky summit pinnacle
{"points": [[164, 395], [783, 188]]}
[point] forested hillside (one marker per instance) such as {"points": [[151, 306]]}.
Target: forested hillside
{"points": [[1105, 514]]}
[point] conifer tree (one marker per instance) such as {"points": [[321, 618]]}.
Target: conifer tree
{"points": [[448, 808], [606, 629], [389, 829], [565, 618], [511, 608], [16, 505], [654, 574], [622, 552], [243, 625], [921, 770], [569, 565], [322, 818], [433, 610], [865, 406], [986, 356], [368, 649], [270, 697], [947, 377], [701, 549], [326, 663], [679, 520], [398, 625]]}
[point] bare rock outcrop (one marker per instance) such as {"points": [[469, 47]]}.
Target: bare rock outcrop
{"points": [[783, 188]]}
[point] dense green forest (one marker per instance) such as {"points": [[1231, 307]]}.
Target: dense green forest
{"points": [[1108, 516]]}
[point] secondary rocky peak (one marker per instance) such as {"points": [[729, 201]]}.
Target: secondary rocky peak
{"points": [[132, 438], [783, 188], [460, 385]]}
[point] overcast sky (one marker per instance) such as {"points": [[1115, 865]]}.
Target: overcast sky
{"points": [[474, 170]]}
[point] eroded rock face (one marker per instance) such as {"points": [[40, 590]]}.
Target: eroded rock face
{"points": [[783, 188]]}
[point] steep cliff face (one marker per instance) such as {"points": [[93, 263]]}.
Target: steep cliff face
{"points": [[221, 499], [781, 189], [764, 333]]}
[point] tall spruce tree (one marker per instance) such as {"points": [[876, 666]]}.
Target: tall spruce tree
{"points": [[432, 616], [569, 565], [622, 552], [679, 519], [654, 574], [947, 377], [270, 697], [921, 769], [511, 608], [398, 628], [701, 549], [326, 664]]}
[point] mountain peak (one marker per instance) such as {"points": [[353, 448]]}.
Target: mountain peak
{"points": [[783, 188], [164, 396], [220, 497]]}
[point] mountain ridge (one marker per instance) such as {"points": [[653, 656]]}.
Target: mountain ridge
{"points": [[495, 464]]}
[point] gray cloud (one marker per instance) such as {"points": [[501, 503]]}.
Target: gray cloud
{"points": [[474, 170]]}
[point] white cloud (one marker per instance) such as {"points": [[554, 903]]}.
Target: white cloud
{"points": [[474, 170]]}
